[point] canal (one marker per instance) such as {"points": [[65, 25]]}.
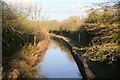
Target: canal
{"points": [[58, 62]]}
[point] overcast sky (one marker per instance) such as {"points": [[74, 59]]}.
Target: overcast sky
{"points": [[59, 9]]}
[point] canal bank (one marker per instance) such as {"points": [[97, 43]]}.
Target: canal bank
{"points": [[93, 69], [25, 62]]}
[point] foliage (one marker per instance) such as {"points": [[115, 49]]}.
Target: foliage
{"points": [[20, 57], [93, 17], [16, 31], [108, 51], [71, 24], [28, 49], [105, 29]]}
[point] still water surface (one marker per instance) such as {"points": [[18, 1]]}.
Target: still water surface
{"points": [[59, 63]]}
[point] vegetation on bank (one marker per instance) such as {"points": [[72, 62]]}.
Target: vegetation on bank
{"points": [[104, 26], [15, 31], [23, 44]]}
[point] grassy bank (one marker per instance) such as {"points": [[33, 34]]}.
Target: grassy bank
{"points": [[23, 44], [24, 63]]}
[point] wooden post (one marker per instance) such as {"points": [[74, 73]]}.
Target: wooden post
{"points": [[34, 40], [79, 37]]}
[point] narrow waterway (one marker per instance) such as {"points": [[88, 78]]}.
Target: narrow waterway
{"points": [[59, 63]]}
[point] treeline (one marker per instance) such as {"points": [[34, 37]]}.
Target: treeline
{"points": [[104, 26], [17, 31], [71, 24]]}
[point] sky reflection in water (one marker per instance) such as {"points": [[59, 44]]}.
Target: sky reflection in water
{"points": [[57, 64]]}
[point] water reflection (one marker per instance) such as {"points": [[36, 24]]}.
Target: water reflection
{"points": [[63, 47], [59, 63]]}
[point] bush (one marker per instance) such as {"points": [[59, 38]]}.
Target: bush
{"points": [[16, 31], [93, 17], [108, 51], [105, 29]]}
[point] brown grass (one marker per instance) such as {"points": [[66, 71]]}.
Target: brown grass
{"points": [[24, 65]]}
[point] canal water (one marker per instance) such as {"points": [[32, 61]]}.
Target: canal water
{"points": [[59, 63]]}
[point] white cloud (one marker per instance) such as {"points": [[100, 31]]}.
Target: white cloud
{"points": [[48, 9], [23, 3], [83, 6], [77, 7], [17, 1], [90, 1]]}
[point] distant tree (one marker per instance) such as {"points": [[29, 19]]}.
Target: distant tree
{"points": [[94, 16]]}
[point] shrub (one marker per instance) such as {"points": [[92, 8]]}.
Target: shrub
{"points": [[93, 17]]}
